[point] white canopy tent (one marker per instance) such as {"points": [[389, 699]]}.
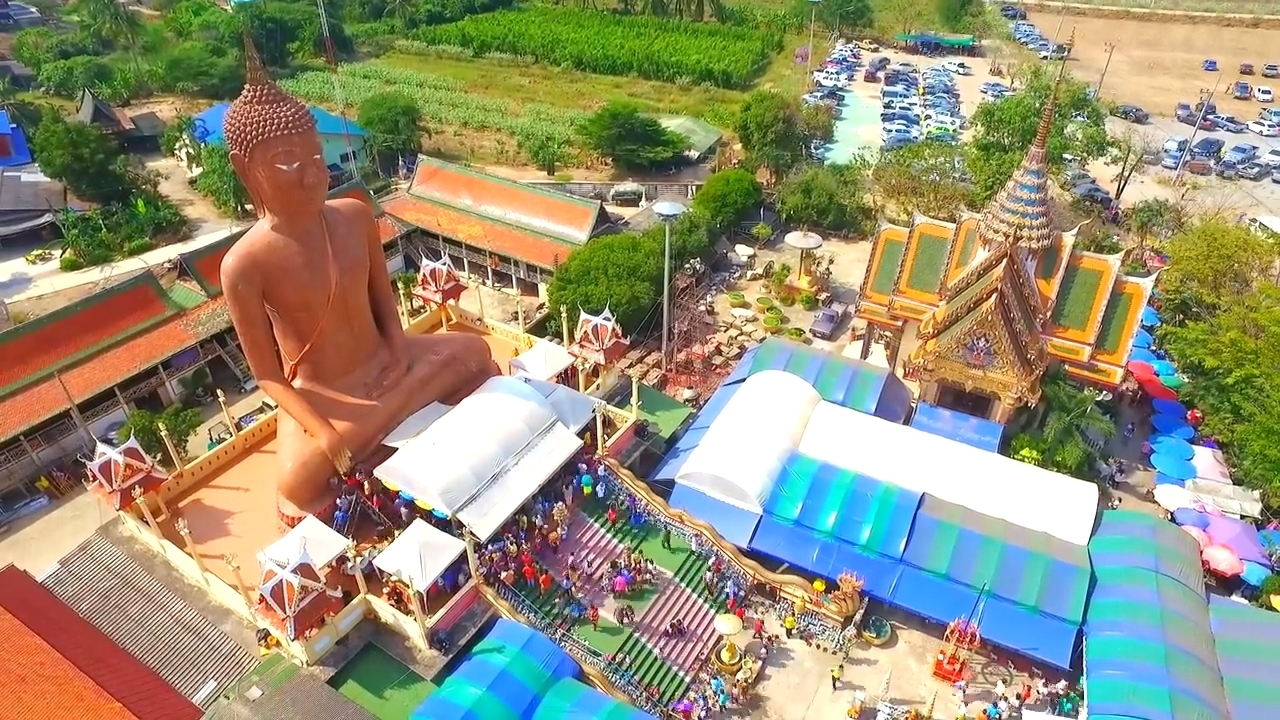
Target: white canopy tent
{"points": [[1230, 499], [311, 539], [573, 408], [485, 457], [415, 424], [1210, 465], [543, 361], [994, 485], [419, 555], [742, 452]]}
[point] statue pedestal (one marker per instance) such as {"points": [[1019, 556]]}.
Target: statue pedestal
{"points": [[727, 658]]}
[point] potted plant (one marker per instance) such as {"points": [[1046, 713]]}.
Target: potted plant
{"points": [[787, 299], [771, 323], [780, 277], [773, 311], [737, 299], [797, 334], [808, 301], [763, 303]]}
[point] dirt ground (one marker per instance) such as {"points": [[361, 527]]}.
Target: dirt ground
{"points": [[1157, 65]]}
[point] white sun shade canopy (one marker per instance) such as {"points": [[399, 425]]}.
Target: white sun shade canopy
{"points": [[1023, 494], [310, 538], [485, 457], [738, 459], [543, 361], [420, 555]]}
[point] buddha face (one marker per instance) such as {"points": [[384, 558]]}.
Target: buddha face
{"points": [[286, 175]]}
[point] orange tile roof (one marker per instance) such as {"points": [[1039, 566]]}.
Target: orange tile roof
{"points": [[63, 667], [42, 401], [479, 232], [207, 267], [506, 201], [40, 346]]}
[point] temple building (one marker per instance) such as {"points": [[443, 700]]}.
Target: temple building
{"points": [[974, 311]]}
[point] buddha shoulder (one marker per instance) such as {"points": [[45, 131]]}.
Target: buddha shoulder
{"points": [[352, 210], [244, 262]]}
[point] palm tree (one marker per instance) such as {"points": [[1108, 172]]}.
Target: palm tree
{"points": [[109, 22], [1069, 418], [21, 113]]}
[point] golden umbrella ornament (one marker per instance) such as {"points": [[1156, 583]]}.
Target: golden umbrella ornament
{"points": [[728, 658], [928, 709]]}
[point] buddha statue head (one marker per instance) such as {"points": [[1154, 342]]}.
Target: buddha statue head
{"points": [[274, 147]]}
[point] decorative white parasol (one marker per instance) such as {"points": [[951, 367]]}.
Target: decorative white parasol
{"points": [[1174, 497]]}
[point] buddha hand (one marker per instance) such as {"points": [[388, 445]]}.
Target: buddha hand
{"points": [[335, 448]]}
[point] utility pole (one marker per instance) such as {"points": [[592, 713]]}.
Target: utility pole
{"points": [[813, 18], [1195, 130], [1111, 48], [669, 212]]}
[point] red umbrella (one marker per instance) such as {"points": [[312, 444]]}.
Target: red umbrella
{"points": [[1141, 369], [1201, 537], [1151, 385], [1222, 560]]}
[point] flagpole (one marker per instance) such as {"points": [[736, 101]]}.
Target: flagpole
{"points": [[75, 411]]}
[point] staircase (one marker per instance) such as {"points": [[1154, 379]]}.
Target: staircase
{"points": [[238, 362], [588, 542]]}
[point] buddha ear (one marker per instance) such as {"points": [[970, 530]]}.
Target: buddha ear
{"points": [[240, 163]]}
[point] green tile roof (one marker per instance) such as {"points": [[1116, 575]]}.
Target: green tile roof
{"points": [[1080, 287], [1119, 308], [887, 270], [928, 263]]}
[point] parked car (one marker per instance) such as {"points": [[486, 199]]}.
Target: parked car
{"points": [[1073, 177], [1241, 153], [1241, 90], [1012, 12], [1227, 123], [1132, 113], [1175, 145], [1272, 158], [1271, 70], [1227, 170], [1275, 176], [1198, 167], [1254, 171], [1271, 114], [1265, 128], [1246, 68], [1263, 94], [1182, 111], [1209, 66], [878, 64], [1093, 193], [957, 67], [1197, 120], [1209, 147], [1054, 52], [827, 321], [1171, 160]]}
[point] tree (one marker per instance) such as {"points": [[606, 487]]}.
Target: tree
{"points": [[181, 424], [23, 114], [1154, 219], [621, 272], [832, 197], [726, 196], [629, 138], [1232, 360], [1129, 152], [1213, 266], [394, 121], [771, 132], [546, 152], [83, 158], [1068, 415], [1005, 129], [109, 22], [926, 177], [818, 123], [218, 181], [836, 15]]}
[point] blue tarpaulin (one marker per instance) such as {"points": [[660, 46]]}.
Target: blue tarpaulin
{"points": [[732, 522], [1246, 639], [953, 425]]}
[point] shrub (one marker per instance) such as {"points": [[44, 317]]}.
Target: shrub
{"points": [[808, 301], [787, 299]]}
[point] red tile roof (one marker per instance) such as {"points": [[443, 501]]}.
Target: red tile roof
{"points": [[39, 347], [39, 402], [205, 264], [480, 232], [61, 666], [506, 201]]}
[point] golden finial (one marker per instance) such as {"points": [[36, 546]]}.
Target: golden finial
{"points": [[254, 71]]}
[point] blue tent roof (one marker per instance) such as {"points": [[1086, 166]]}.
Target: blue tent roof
{"points": [[207, 124], [1127, 538], [732, 522], [1246, 639], [953, 425]]}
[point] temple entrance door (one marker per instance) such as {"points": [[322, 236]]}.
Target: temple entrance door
{"points": [[970, 403]]}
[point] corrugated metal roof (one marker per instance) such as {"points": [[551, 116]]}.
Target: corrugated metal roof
{"points": [[284, 690], [120, 598]]}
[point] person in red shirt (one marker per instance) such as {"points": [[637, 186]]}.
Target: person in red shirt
{"points": [[544, 582], [593, 615], [757, 630], [613, 515], [529, 575], [526, 558]]}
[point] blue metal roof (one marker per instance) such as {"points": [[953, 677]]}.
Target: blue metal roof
{"points": [[208, 124]]}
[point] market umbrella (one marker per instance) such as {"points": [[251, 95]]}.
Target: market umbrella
{"points": [[1194, 518], [1150, 317], [1269, 538], [1143, 355], [1152, 387], [1200, 536], [1140, 367], [1162, 479], [1172, 381], [1164, 367], [1186, 432], [1172, 446], [1173, 497], [1142, 339], [1222, 560], [1238, 535], [1166, 424], [1169, 407], [1173, 466], [1254, 573]]}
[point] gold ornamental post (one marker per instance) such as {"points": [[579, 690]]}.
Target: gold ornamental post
{"points": [[139, 500], [234, 567], [180, 524]]}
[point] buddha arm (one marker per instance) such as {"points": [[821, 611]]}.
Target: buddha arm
{"points": [[243, 291], [386, 312]]}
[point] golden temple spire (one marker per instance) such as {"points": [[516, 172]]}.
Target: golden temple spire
{"points": [[255, 73]]}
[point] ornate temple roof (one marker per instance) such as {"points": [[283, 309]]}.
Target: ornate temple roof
{"points": [[1018, 216], [599, 338]]}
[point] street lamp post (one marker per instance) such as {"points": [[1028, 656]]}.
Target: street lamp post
{"points": [[1111, 48], [1204, 108], [813, 17], [668, 211]]}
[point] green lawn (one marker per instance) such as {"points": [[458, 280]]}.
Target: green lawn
{"points": [[381, 684], [663, 412]]}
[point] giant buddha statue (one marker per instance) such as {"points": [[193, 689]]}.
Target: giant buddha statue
{"points": [[310, 298]]}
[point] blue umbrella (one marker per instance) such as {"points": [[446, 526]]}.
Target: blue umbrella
{"points": [[1254, 573], [1142, 339], [1173, 466], [1150, 317], [1144, 355], [1166, 424], [1269, 538], [1186, 432], [1162, 479], [1164, 367], [1172, 446], [1194, 518], [1169, 407]]}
